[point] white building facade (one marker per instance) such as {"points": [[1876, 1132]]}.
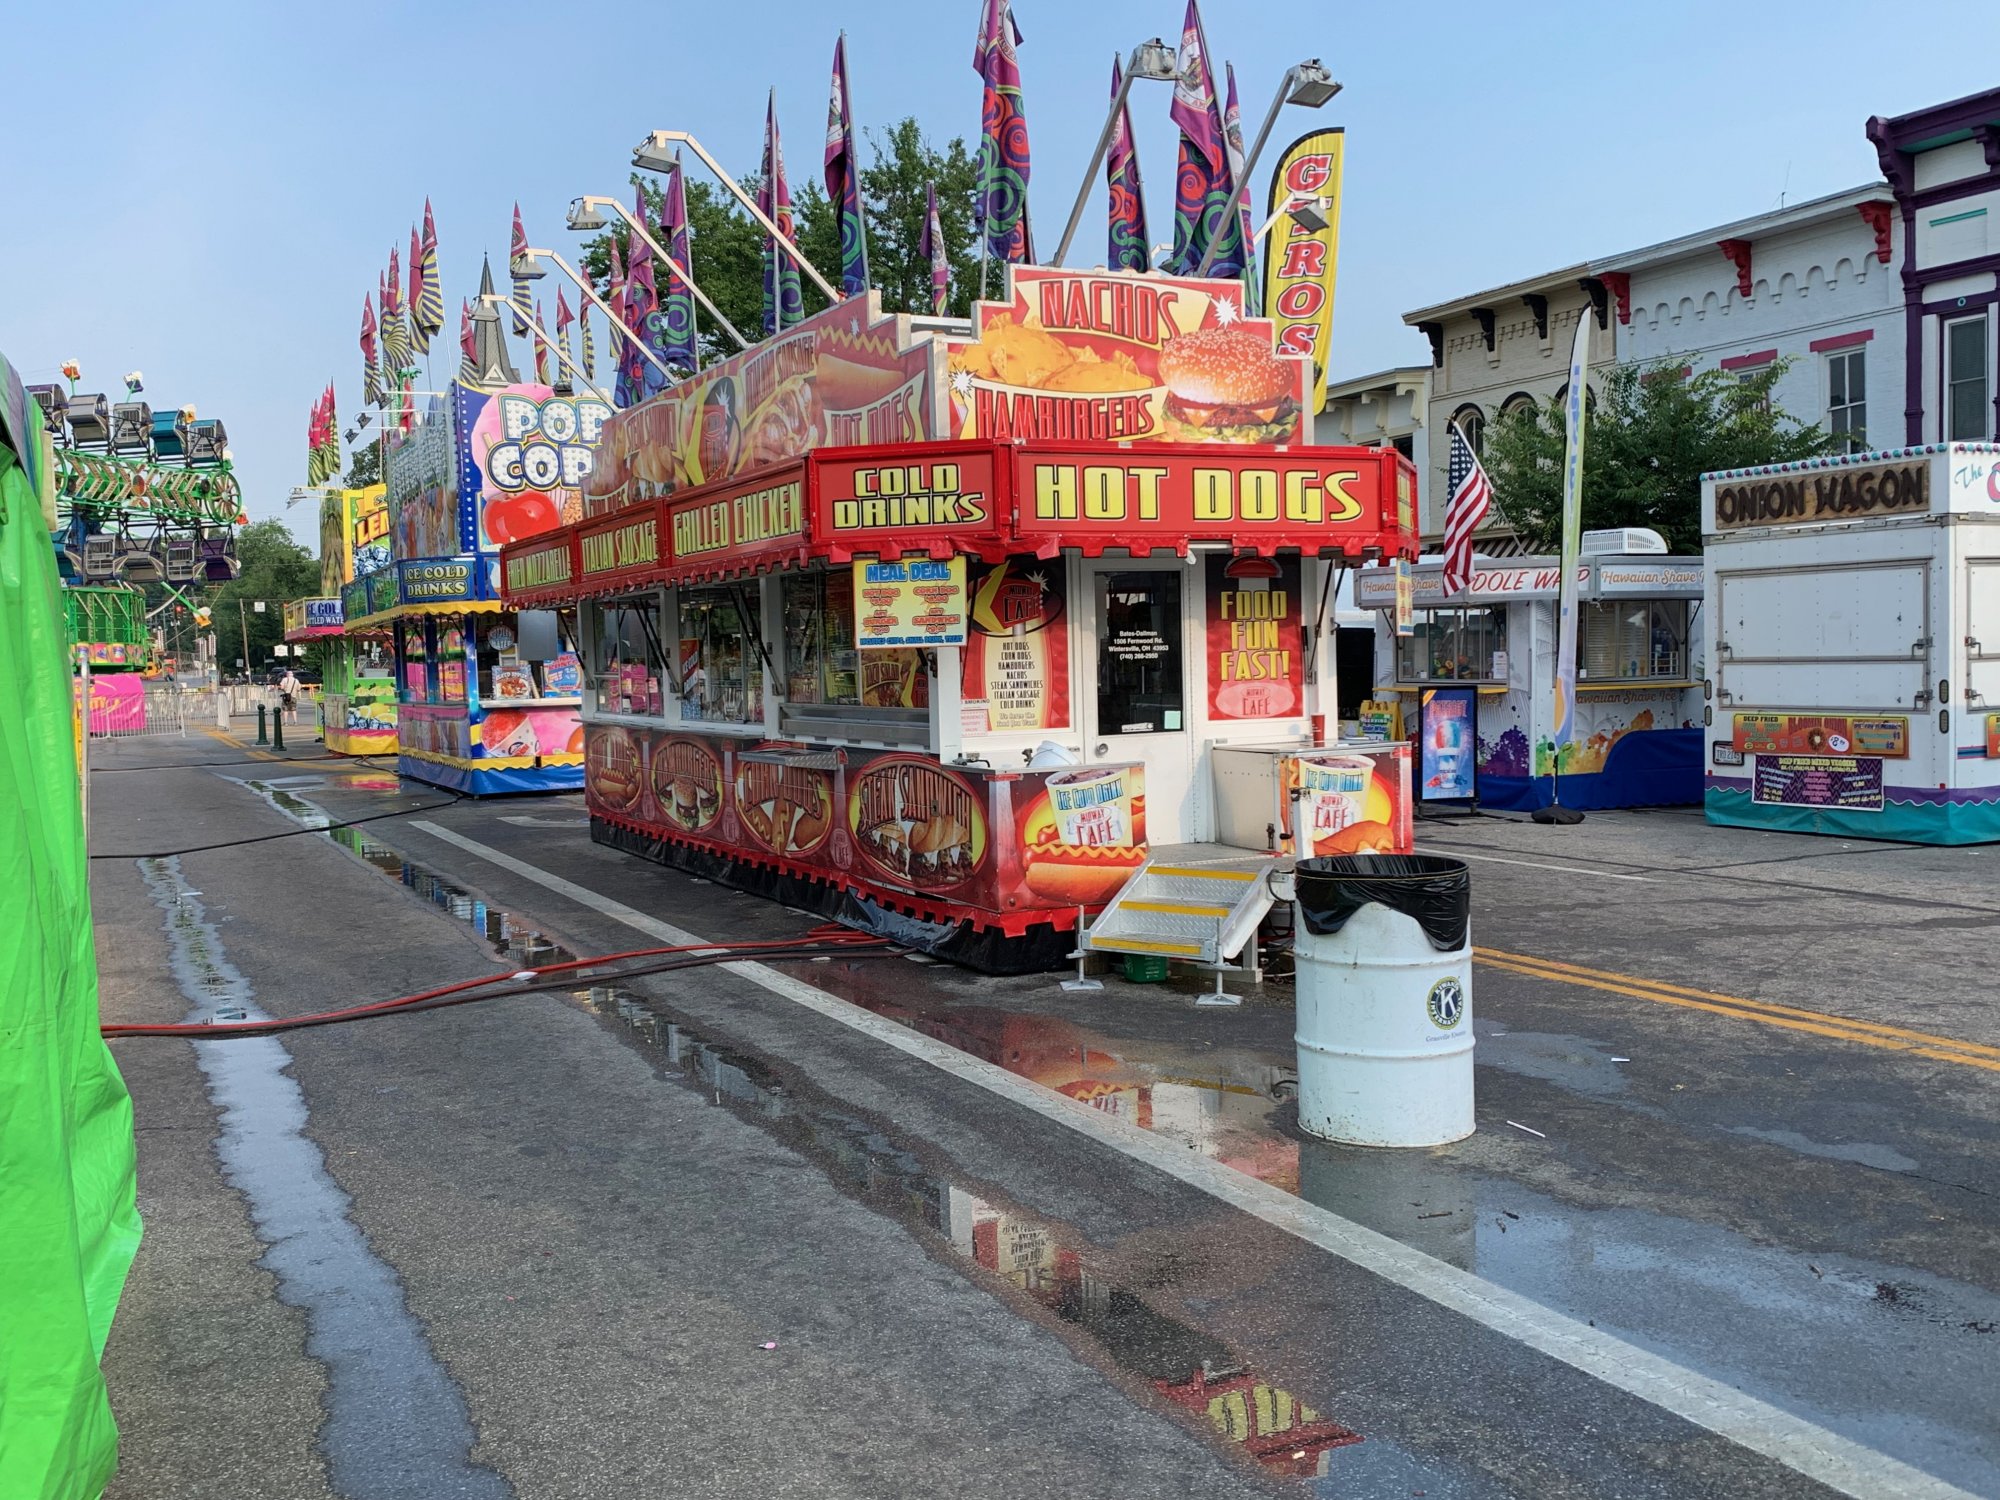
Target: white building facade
{"points": [[1811, 287]]}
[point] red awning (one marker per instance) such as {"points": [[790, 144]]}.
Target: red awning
{"points": [[986, 500]]}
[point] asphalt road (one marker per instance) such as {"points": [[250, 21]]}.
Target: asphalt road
{"points": [[537, 1246]]}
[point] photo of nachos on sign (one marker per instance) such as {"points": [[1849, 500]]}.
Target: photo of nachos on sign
{"points": [[1085, 355]]}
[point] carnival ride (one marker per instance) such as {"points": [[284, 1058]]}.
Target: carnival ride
{"points": [[142, 497]]}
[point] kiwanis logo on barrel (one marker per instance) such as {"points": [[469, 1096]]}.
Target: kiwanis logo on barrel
{"points": [[1446, 1003]]}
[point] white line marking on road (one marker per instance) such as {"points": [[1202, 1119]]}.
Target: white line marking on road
{"points": [[1536, 864], [1838, 1462]]}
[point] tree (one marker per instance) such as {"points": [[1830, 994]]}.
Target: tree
{"points": [[276, 570], [905, 165], [365, 467], [1653, 431]]}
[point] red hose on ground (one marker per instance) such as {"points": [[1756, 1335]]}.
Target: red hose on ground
{"points": [[826, 938]]}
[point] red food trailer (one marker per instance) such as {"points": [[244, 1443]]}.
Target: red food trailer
{"points": [[957, 684]]}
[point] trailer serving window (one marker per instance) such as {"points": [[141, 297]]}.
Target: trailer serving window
{"points": [[1632, 640], [721, 655], [1455, 645], [628, 666], [833, 690]]}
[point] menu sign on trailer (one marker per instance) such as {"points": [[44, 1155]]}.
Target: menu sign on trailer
{"points": [[923, 498], [911, 602], [723, 530], [628, 546], [1820, 734], [1851, 783], [1100, 357], [1156, 495], [546, 567]]}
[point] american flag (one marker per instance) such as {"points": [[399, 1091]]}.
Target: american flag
{"points": [[1471, 498]]}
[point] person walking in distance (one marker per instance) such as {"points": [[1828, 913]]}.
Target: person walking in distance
{"points": [[288, 696]]}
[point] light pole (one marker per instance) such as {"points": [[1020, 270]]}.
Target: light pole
{"points": [[1154, 59], [529, 268], [584, 215], [650, 155], [1306, 84], [534, 326]]}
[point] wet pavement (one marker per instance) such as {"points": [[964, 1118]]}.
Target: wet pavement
{"points": [[1806, 1220]]}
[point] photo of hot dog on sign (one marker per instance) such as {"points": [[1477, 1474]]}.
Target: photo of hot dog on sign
{"points": [[1094, 357]]}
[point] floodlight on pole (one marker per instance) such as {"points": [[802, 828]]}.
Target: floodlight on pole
{"points": [[534, 326], [1306, 84], [651, 155], [638, 227], [585, 289], [1155, 60]]}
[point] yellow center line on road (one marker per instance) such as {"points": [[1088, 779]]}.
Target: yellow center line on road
{"points": [[236, 744], [1791, 1018]]}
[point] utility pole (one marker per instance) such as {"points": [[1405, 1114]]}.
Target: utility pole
{"points": [[243, 623]]}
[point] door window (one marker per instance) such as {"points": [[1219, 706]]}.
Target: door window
{"points": [[1139, 673]]}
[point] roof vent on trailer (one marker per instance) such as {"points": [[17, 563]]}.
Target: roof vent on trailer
{"points": [[1623, 539]]}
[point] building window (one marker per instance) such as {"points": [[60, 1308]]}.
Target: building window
{"points": [[1455, 645], [1847, 398], [1968, 415], [1632, 640], [1472, 422], [1517, 403]]}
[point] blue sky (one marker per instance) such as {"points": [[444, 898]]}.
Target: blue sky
{"points": [[205, 191]]}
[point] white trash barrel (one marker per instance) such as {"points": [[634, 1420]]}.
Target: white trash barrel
{"points": [[1384, 1026]]}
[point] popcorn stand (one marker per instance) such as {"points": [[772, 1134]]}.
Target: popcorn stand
{"points": [[938, 635], [487, 695]]}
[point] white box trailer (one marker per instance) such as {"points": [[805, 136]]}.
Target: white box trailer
{"points": [[1853, 635]]}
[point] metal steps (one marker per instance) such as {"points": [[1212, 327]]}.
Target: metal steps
{"points": [[1194, 913]]}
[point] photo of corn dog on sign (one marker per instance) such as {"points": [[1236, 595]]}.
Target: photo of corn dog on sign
{"points": [[846, 376]]}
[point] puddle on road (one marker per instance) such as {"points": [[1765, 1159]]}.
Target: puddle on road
{"points": [[1798, 1334], [395, 1422], [1045, 1261]]}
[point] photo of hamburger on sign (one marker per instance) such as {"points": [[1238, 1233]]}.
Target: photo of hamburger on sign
{"points": [[1093, 356]]}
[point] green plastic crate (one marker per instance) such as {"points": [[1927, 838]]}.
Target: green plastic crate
{"points": [[1145, 968]]}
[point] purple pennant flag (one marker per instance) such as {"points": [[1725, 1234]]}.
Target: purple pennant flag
{"points": [[642, 304], [677, 348], [1129, 250], [1003, 143], [1204, 195], [1246, 230], [784, 304], [843, 178], [930, 247]]}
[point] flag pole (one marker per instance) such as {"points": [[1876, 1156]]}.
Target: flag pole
{"points": [[1575, 419]]}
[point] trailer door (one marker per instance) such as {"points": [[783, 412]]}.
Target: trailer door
{"points": [[1838, 636], [1982, 635]]}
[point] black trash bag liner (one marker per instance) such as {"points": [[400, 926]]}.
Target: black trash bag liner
{"points": [[1436, 892]]}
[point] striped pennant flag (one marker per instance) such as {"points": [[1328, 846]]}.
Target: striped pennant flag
{"points": [[429, 309], [518, 249]]}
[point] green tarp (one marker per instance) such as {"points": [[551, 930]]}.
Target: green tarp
{"points": [[69, 1221]]}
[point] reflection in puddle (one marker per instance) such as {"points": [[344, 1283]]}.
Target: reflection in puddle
{"points": [[1046, 1262]]}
